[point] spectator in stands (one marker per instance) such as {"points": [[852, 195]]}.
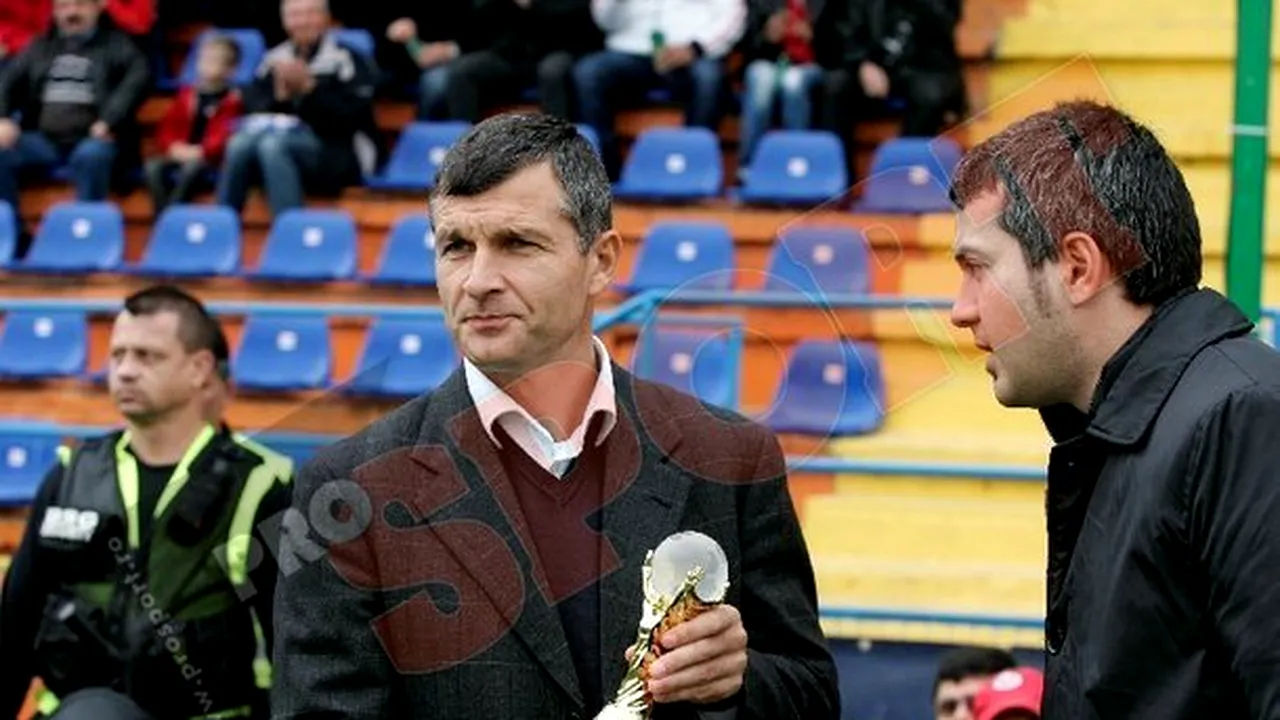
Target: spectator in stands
{"points": [[525, 246], [1011, 695], [649, 43], [309, 124], [903, 50], [23, 20], [962, 673], [789, 46], [78, 88], [127, 597], [193, 134], [1081, 261], [420, 43]]}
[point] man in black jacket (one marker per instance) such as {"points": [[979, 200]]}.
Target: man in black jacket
{"points": [[77, 88], [418, 44], [309, 116], [1081, 256]]}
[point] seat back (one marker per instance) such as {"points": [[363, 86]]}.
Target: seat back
{"points": [[8, 234], [673, 164], [910, 175], [684, 255], [830, 388], [194, 240], [693, 361], [418, 152], [78, 237], [24, 461], [36, 344], [409, 253], [310, 244], [797, 166], [357, 39], [405, 357], [819, 260], [253, 46], [283, 353]]}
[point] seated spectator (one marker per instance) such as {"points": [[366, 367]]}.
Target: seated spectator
{"points": [[419, 46], [309, 117], [1011, 695], [788, 46], [22, 20], [680, 45], [905, 49], [193, 134], [962, 673], [78, 88]]}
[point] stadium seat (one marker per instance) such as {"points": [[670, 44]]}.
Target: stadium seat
{"points": [[357, 39], [910, 175], [672, 164], [76, 237], [283, 353], [693, 361], [252, 48], [590, 134], [36, 345], [408, 254], [8, 234], [193, 241], [310, 245], [403, 357], [796, 167], [24, 460], [830, 388], [684, 255], [417, 155], [819, 260]]}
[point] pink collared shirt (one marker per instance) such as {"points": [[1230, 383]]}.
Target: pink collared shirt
{"points": [[496, 406]]}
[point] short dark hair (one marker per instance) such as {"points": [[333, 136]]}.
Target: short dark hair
{"points": [[964, 662], [1087, 167], [226, 42], [197, 328], [500, 146]]}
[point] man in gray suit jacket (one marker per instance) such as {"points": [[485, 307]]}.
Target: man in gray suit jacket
{"points": [[477, 552]]}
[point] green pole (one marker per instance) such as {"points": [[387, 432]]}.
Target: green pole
{"points": [[1249, 158]]}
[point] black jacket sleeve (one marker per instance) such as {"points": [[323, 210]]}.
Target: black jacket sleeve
{"points": [[1234, 503], [26, 587], [132, 80], [790, 670], [328, 661], [260, 95], [15, 82], [340, 105]]}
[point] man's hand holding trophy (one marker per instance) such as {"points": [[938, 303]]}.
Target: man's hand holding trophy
{"points": [[690, 645]]}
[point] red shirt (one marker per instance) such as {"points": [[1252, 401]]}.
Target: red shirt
{"points": [[798, 51], [176, 125]]}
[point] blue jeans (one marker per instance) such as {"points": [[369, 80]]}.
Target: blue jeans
{"points": [[433, 87], [89, 160], [765, 87], [280, 159], [601, 78]]}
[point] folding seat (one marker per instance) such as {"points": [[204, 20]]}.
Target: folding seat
{"points": [[403, 357], [408, 254], [283, 353], [819, 260], [684, 256], [77, 237], [417, 155], [694, 361], [24, 460], [910, 175], [672, 164], [193, 241], [8, 235], [357, 39], [796, 167], [39, 345], [830, 388], [309, 244]]}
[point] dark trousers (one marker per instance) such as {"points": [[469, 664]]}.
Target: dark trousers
{"points": [[98, 704], [171, 182], [465, 87]]}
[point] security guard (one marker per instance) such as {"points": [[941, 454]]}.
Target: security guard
{"points": [[138, 590]]}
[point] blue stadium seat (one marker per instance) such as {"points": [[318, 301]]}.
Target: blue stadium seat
{"points": [[283, 353], [24, 460], [830, 388], [684, 255], [695, 362], [357, 39], [8, 234], [408, 254], [252, 48], [910, 175], [77, 237], [403, 357], [819, 260], [796, 167], [193, 241], [417, 155], [310, 244], [43, 344], [590, 134], [672, 164]]}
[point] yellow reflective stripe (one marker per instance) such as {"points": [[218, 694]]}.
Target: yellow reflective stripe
{"points": [[64, 455], [261, 663], [46, 702], [238, 537], [127, 475], [282, 462]]}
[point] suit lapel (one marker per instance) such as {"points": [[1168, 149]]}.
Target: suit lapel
{"points": [[635, 522], [452, 420]]}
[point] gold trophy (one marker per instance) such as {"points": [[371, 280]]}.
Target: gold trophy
{"points": [[685, 576]]}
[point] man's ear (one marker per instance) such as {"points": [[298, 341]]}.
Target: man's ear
{"points": [[1085, 269], [204, 367], [604, 256]]}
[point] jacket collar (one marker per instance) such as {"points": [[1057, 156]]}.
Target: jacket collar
{"points": [[1137, 380]]}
